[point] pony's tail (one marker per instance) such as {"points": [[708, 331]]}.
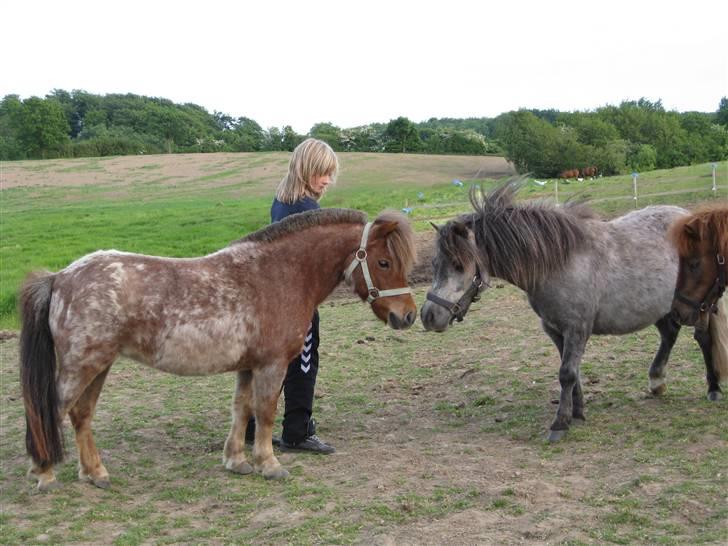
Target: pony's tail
{"points": [[719, 334], [43, 434]]}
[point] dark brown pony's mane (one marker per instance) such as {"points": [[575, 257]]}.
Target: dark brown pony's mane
{"points": [[706, 223], [400, 241], [524, 243]]}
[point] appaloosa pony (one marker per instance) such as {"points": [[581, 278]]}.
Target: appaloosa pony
{"points": [[583, 276], [701, 240], [244, 309]]}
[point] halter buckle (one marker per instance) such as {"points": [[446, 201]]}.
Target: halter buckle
{"points": [[361, 254]]}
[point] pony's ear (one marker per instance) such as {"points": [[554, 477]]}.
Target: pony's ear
{"points": [[385, 228], [460, 229], [692, 229], [434, 225]]}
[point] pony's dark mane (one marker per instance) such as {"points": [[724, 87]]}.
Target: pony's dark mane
{"points": [[524, 243], [708, 222], [400, 241], [301, 221]]}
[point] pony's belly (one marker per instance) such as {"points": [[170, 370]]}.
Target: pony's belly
{"points": [[190, 350], [618, 318]]}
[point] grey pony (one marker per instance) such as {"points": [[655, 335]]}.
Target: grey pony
{"points": [[583, 276]]}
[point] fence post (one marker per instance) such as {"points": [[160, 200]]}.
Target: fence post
{"points": [[634, 187], [715, 188], [557, 191]]}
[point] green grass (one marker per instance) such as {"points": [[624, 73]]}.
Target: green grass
{"points": [[48, 227], [433, 432]]}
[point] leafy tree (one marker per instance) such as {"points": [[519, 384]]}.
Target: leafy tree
{"points": [[401, 136], [10, 146], [642, 157], [249, 136], [329, 133], [42, 128], [721, 116], [368, 138], [291, 139]]}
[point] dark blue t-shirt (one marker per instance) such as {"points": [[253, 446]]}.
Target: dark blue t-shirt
{"points": [[278, 210]]}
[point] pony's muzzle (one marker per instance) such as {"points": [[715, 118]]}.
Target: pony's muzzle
{"points": [[434, 318], [401, 323]]}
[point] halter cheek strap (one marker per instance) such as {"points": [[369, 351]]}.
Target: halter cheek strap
{"points": [[715, 292], [360, 259], [459, 308]]}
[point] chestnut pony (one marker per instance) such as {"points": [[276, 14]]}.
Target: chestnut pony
{"points": [[701, 240], [243, 309]]}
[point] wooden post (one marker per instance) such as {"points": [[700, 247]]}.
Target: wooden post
{"points": [[634, 187]]}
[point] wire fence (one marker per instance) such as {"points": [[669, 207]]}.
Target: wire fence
{"points": [[598, 191]]}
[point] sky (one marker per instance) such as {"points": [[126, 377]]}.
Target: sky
{"points": [[351, 62]]}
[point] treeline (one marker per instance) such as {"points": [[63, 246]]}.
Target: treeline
{"points": [[636, 135], [80, 124]]}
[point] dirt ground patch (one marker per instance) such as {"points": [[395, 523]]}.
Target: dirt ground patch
{"points": [[221, 169], [440, 439]]}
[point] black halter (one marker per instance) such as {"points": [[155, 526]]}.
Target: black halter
{"points": [[713, 295], [458, 309]]}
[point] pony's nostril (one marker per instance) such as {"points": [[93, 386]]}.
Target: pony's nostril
{"points": [[409, 318], [426, 316]]}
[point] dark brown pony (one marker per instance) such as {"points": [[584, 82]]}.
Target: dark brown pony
{"points": [[570, 173], [701, 240], [589, 171], [244, 309]]}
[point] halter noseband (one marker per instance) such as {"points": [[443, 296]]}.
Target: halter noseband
{"points": [[458, 309], [360, 259], [714, 293]]}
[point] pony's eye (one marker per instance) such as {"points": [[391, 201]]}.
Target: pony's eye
{"points": [[384, 264]]}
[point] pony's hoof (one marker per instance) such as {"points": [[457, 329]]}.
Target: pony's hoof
{"points": [[103, 483], [44, 487], [279, 473], [714, 396], [556, 435], [241, 468], [658, 386]]}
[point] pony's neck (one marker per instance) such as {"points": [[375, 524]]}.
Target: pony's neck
{"points": [[527, 246], [314, 259]]}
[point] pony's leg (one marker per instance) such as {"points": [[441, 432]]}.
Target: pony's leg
{"points": [[234, 454], [705, 340], [573, 349], [577, 394], [669, 328], [266, 390], [90, 467], [73, 379]]}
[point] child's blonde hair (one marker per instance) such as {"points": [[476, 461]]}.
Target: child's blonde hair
{"points": [[310, 158]]}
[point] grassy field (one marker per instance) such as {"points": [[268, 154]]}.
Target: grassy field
{"points": [[440, 437], [53, 212]]}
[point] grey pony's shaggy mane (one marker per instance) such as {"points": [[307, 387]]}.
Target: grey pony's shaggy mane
{"points": [[525, 243], [304, 220]]}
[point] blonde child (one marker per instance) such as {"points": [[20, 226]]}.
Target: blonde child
{"points": [[313, 166]]}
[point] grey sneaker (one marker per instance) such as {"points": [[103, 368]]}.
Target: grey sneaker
{"points": [[312, 444]]}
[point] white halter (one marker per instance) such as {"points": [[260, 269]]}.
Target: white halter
{"points": [[360, 258]]}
